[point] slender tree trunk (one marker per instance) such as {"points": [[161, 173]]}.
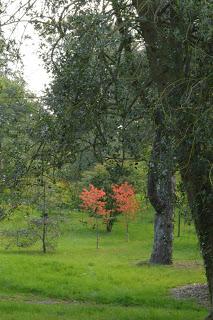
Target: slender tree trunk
{"points": [[97, 233], [44, 213], [179, 223], [127, 228], [160, 192], [44, 247]]}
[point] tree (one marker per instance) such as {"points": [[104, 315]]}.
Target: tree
{"points": [[18, 113], [160, 170], [104, 176], [180, 64], [93, 201], [125, 202]]}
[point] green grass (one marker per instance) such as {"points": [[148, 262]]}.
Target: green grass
{"points": [[108, 283]]}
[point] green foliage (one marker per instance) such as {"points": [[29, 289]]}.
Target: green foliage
{"points": [[91, 95], [17, 117], [104, 175]]}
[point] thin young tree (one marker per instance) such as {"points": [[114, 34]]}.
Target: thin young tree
{"points": [[93, 200], [126, 203]]}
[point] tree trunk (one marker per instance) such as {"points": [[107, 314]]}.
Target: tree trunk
{"points": [[44, 231], [199, 192], [127, 227], [210, 316], [163, 240], [160, 179], [44, 213], [160, 192], [109, 224], [97, 232], [179, 223]]}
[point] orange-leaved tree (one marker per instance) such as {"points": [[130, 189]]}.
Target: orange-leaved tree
{"points": [[126, 202], [93, 201]]}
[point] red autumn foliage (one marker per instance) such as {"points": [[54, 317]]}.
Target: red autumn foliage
{"points": [[93, 200], [125, 199]]}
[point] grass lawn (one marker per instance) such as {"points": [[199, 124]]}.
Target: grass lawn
{"points": [[79, 282]]}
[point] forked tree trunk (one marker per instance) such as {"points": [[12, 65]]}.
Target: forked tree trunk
{"points": [[160, 192]]}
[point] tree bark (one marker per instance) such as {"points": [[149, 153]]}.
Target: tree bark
{"points": [[200, 196], [160, 192]]}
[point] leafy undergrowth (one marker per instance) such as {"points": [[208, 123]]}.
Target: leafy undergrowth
{"points": [[81, 282]]}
